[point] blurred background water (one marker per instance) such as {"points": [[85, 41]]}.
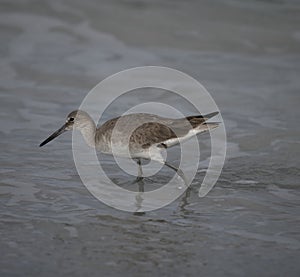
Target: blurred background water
{"points": [[246, 53]]}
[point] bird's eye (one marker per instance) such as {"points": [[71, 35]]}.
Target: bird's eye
{"points": [[71, 119]]}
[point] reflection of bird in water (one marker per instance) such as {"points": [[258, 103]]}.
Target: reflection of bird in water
{"points": [[136, 136]]}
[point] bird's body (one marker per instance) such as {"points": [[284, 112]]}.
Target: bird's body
{"points": [[138, 136], [144, 132]]}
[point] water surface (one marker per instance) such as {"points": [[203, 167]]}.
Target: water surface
{"points": [[248, 57]]}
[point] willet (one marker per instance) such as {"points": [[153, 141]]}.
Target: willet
{"points": [[148, 134]]}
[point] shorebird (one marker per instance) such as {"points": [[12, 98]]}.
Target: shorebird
{"points": [[139, 136]]}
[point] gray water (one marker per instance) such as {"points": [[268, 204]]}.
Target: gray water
{"points": [[246, 53]]}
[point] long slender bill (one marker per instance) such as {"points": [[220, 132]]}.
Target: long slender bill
{"points": [[54, 135]]}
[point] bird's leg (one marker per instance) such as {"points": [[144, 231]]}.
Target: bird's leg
{"points": [[140, 176], [178, 171], [141, 187], [184, 201], [140, 170]]}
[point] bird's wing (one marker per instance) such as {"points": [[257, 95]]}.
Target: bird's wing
{"points": [[155, 131], [152, 133]]}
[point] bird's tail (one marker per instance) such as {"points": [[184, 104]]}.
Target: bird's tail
{"points": [[203, 117], [197, 120], [205, 127]]}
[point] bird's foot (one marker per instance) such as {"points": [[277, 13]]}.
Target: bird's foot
{"points": [[139, 179]]}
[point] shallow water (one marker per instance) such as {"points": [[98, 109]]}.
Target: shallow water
{"points": [[248, 57]]}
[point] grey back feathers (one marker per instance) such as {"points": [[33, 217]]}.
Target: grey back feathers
{"points": [[151, 129]]}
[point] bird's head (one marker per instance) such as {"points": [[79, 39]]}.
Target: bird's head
{"points": [[75, 120]]}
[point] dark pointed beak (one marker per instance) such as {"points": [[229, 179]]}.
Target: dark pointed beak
{"points": [[54, 135]]}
